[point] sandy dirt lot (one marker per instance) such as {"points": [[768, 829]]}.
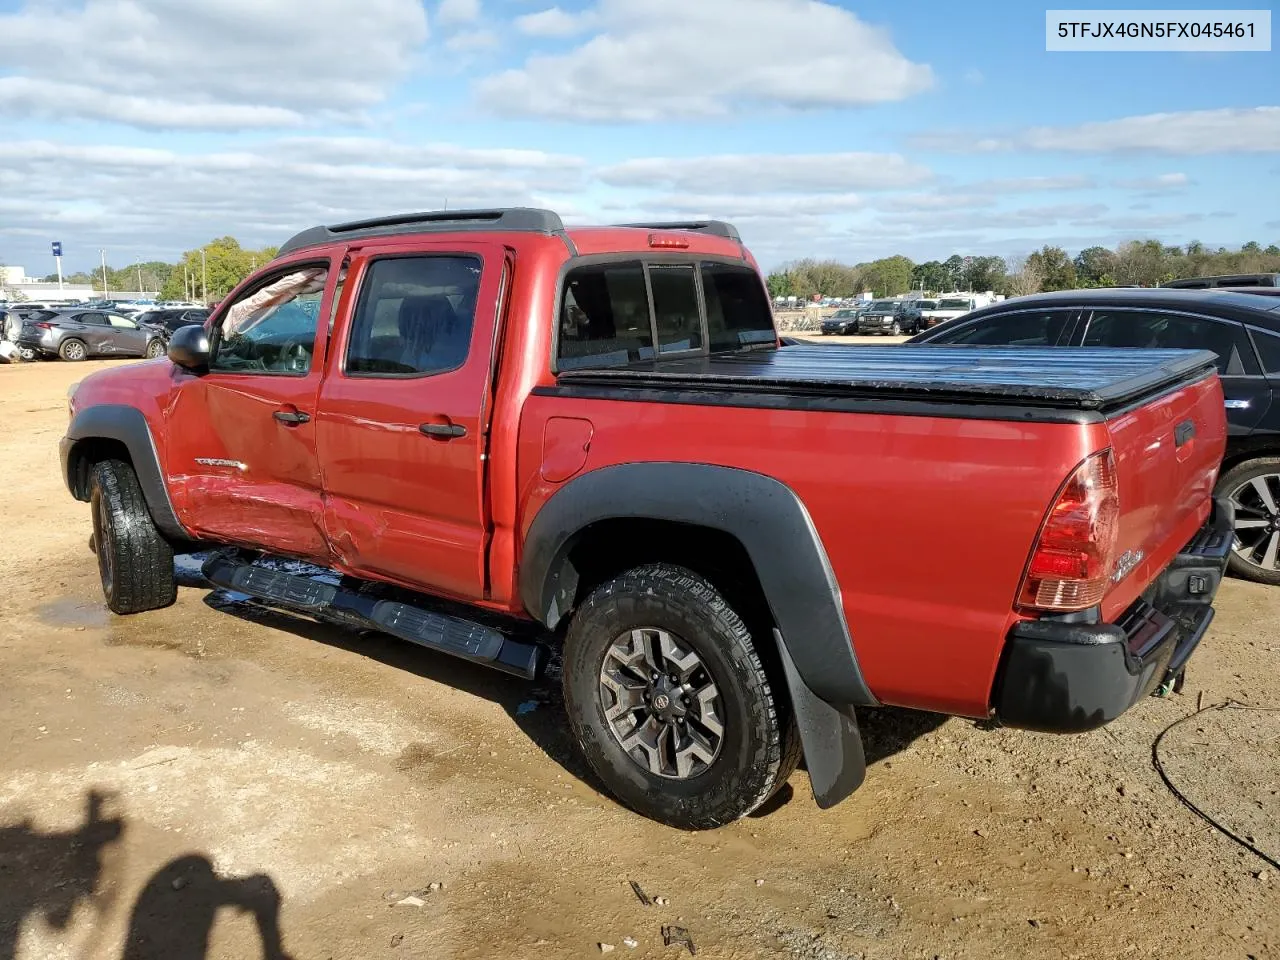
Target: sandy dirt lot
{"points": [[212, 781]]}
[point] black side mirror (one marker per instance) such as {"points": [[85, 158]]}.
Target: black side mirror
{"points": [[189, 349]]}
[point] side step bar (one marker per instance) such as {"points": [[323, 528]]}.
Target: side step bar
{"points": [[427, 628]]}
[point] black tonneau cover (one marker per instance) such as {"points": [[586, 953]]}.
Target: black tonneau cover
{"points": [[1063, 377]]}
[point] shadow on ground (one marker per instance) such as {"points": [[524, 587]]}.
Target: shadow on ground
{"points": [[53, 877], [535, 707]]}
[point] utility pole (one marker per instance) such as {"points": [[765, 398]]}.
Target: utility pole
{"points": [[103, 254], [204, 282]]}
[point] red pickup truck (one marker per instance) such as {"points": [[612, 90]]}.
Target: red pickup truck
{"points": [[499, 436]]}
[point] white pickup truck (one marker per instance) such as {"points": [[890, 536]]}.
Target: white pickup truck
{"points": [[955, 305]]}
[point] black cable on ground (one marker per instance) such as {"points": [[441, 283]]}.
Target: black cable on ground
{"points": [[1155, 759]]}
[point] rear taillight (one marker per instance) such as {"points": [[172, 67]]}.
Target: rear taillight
{"points": [[44, 326], [1071, 564]]}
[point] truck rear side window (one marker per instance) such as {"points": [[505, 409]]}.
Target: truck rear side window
{"points": [[608, 319], [738, 311]]}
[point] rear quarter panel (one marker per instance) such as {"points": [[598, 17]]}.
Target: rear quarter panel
{"points": [[927, 522]]}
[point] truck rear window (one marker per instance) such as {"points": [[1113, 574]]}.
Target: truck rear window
{"points": [[617, 313]]}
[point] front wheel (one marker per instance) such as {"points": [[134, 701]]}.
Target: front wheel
{"points": [[670, 703], [1254, 489], [134, 560], [896, 329], [155, 348]]}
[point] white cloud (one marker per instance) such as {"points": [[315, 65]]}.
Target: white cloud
{"points": [[769, 173], [1193, 132], [23, 97], [164, 63], [1038, 217], [751, 207], [458, 11], [552, 22], [1156, 184], [472, 41], [157, 202], [661, 59], [1034, 184], [937, 201]]}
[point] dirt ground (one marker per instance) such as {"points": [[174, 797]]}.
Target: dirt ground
{"points": [[211, 781]]}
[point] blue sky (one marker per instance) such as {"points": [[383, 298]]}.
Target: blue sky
{"points": [[844, 129]]}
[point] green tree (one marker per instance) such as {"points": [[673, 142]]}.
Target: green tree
{"points": [[1143, 262], [780, 285], [1251, 247], [987, 273], [1054, 267], [1093, 264], [1272, 251], [217, 267], [955, 271], [889, 276]]}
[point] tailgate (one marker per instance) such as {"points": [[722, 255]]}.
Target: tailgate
{"points": [[1168, 451]]}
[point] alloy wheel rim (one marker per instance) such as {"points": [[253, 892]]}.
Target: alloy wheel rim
{"points": [[1257, 534], [661, 703], [75, 351]]}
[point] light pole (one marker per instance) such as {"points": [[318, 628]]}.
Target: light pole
{"points": [[103, 254], [139, 269], [204, 280]]}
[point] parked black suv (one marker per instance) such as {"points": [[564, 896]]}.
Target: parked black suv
{"points": [[1243, 329], [168, 320], [842, 321], [894, 317]]}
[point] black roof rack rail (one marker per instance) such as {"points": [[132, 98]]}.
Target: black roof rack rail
{"points": [[716, 228], [507, 219]]}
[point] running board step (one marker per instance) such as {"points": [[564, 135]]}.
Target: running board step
{"points": [[427, 628]]}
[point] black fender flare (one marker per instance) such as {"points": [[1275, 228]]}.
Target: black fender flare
{"points": [[764, 515], [127, 425]]}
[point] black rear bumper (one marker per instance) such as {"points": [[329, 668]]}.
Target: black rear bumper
{"points": [[1070, 675]]}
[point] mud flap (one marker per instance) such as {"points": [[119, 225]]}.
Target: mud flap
{"points": [[829, 735]]}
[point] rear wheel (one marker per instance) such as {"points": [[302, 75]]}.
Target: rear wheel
{"points": [[73, 350], [1254, 488], [670, 703], [134, 559]]}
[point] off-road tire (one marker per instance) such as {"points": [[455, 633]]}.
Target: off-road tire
{"points": [[1240, 474], [134, 559], [73, 350], [761, 746]]}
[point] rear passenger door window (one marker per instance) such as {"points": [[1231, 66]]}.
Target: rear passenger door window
{"points": [[1019, 328], [414, 316], [1157, 329]]}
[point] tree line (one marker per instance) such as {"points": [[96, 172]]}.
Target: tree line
{"points": [[1145, 263], [205, 273]]}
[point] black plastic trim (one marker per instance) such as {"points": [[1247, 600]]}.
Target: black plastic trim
{"points": [[502, 220], [765, 516], [891, 406], [1058, 676], [829, 736], [128, 426]]}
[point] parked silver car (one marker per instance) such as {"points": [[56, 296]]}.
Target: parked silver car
{"points": [[78, 335]]}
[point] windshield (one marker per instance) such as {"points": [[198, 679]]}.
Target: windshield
{"points": [[884, 306], [927, 304], [955, 305], [840, 314]]}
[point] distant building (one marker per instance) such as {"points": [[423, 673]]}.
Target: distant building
{"points": [[16, 285]]}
